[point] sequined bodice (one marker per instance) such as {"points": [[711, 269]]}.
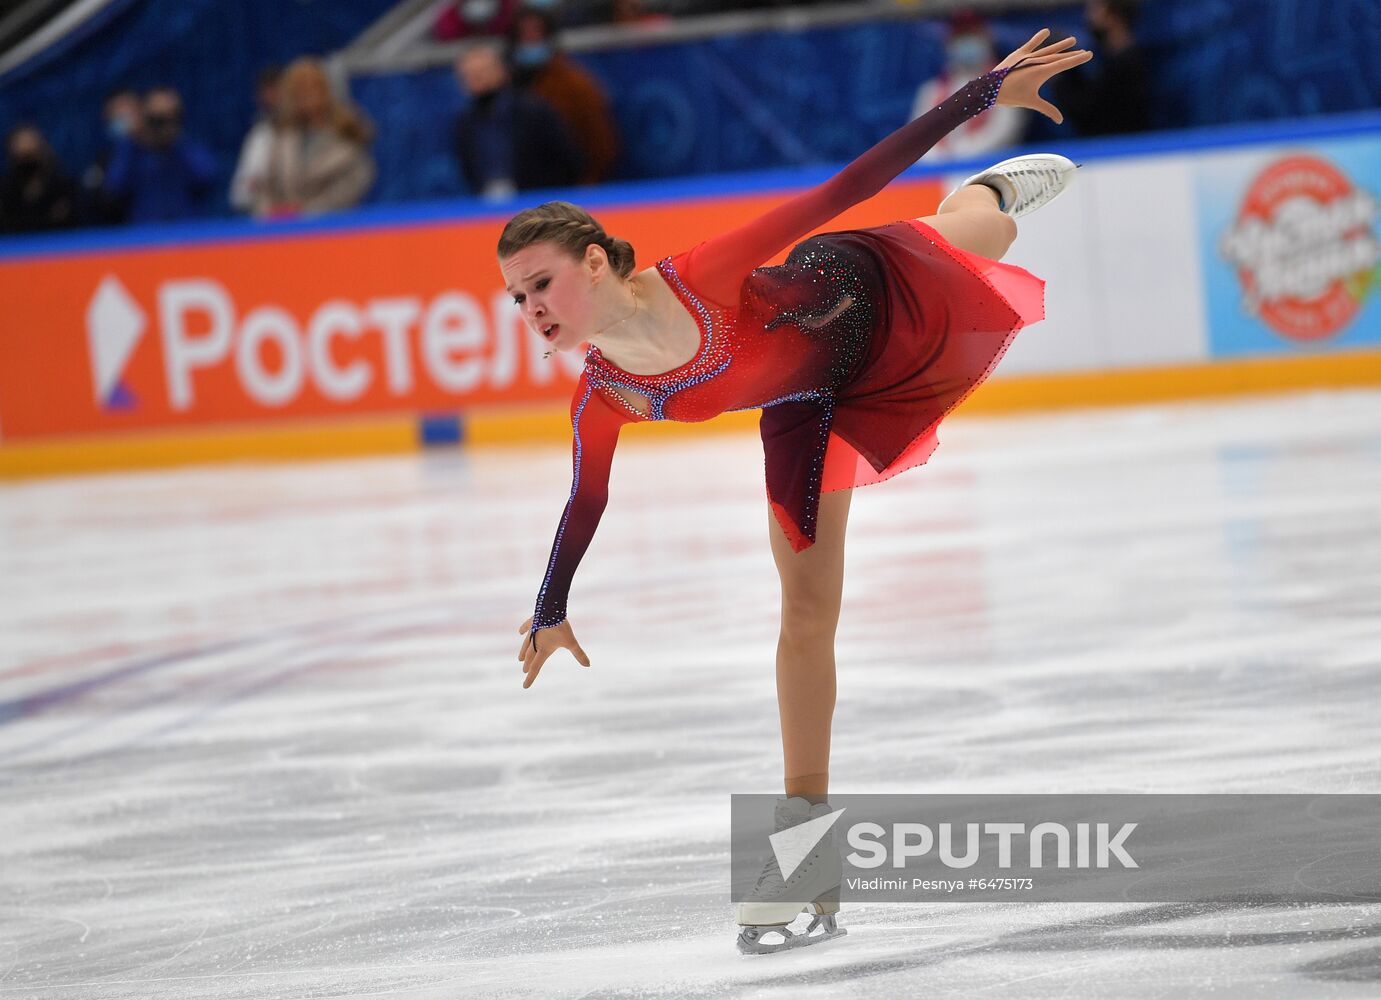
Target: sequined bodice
{"points": [[712, 359], [798, 333]]}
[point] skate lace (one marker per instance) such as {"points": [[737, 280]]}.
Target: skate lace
{"points": [[1031, 182], [771, 877]]}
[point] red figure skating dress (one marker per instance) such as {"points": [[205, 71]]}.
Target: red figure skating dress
{"points": [[854, 348]]}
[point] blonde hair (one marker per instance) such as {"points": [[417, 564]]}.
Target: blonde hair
{"points": [[571, 228], [343, 118]]}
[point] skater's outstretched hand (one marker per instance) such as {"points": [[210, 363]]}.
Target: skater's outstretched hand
{"points": [[1021, 87], [549, 640]]}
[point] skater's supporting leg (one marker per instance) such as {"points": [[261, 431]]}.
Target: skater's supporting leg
{"points": [[812, 588], [972, 221]]}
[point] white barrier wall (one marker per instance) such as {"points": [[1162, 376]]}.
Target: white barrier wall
{"points": [[1192, 257]]}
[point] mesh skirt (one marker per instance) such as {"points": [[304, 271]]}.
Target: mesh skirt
{"points": [[945, 319]]}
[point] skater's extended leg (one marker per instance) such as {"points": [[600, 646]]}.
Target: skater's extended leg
{"points": [[971, 220], [812, 588], [979, 219]]}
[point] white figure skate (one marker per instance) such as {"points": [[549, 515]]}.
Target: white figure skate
{"points": [[1024, 183], [812, 887]]}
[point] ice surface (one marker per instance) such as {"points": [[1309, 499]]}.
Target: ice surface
{"points": [[262, 731]]}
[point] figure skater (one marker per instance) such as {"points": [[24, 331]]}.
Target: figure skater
{"points": [[854, 349]]}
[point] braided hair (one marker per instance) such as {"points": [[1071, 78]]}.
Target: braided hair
{"points": [[571, 228]]}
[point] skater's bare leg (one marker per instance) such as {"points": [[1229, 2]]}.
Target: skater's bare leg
{"points": [[972, 221], [812, 588]]}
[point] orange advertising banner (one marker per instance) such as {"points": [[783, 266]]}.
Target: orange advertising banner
{"points": [[261, 325]]}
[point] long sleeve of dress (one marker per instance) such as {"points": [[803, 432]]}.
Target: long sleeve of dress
{"points": [[716, 268], [595, 426]]}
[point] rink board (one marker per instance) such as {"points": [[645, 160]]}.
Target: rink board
{"points": [[1170, 273]]}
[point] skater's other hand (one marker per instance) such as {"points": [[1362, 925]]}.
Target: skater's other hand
{"points": [[1021, 87], [549, 640]]}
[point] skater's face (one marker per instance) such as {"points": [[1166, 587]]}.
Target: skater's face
{"points": [[554, 291]]}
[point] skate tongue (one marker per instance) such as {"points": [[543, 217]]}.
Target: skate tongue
{"points": [[1006, 191], [792, 811], [797, 810]]}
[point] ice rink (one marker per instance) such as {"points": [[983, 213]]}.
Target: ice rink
{"points": [[262, 730]]}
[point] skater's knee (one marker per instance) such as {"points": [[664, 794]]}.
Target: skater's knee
{"points": [[993, 233], [1004, 232], [809, 618]]}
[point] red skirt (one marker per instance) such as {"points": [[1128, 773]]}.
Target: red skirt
{"points": [[948, 318], [951, 310]]}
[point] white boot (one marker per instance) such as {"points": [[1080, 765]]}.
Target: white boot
{"points": [[1024, 183], [812, 887]]}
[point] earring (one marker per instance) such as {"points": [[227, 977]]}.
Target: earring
{"points": [[548, 354]]}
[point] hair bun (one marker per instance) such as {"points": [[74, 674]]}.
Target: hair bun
{"points": [[621, 255]]}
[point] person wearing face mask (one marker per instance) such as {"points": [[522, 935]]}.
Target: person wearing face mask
{"points": [[508, 140], [543, 69], [35, 193], [119, 120], [121, 114], [968, 53], [164, 174], [1117, 99]]}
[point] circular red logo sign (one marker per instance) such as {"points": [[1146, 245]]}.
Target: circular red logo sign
{"points": [[1305, 247]]}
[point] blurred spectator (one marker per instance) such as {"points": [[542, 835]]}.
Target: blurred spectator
{"points": [[507, 140], [251, 173], [35, 194], [319, 159], [474, 19], [968, 53], [120, 118], [1114, 95], [543, 70], [163, 174]]}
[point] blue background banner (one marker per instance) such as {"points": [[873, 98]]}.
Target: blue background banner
{"points": [[824, 95], [764, 100], [1321, 233]]}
